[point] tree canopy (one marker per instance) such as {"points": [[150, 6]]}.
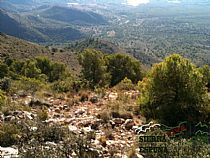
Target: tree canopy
{"points": [[174, 91], [205, 70], [121, 66], [100, 69], [94, 67]]}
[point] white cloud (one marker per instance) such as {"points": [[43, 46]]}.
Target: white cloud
{"points": [[174, 1], [137, 2]]}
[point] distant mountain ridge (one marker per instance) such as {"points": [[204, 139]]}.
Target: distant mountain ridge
{"points": [[45, 23], [73, 16], [21, 1], [35, 29], [11, 26]]}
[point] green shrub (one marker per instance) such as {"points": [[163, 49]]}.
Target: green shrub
{"points": [[58, 71], [94, 68], [8, 61], [30, 70], [71, 144], [51, 133], [2, 99], [121, 66], [63, 85], [44, 64], [9, 134], [27, 86], [173, 92], [105, 116], [5, 84], [17, 66], [125, 84], [53, 70], [42, 115], [40, 68], [3, 70], [205, 70]]}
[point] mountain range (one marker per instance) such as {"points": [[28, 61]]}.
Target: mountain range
{"points": [[148, 31], [73, 16], [36, 29], [45, 23]]}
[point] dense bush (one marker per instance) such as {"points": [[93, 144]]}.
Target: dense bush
{"points": [[125, 84], [56, 141], [51, 133], [100, 70], [5, 84], [8, 134], [65, 85], [3, 70], [44, 64], [58, 71], [53, 70], [16, 66], [27, 85], [94, 68], [30, 70], [205, 70], [32, 75], [174, 91], [121, 66], [40, 68]]}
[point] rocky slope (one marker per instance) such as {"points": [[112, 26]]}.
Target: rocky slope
{"points": [[113, 136]]}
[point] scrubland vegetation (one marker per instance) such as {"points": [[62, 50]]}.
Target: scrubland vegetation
{"points": [[172, 91]]}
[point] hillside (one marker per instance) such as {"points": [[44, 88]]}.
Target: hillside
{"points": [[53, 115], [98, 44], [73, 16], [17, 48], [14, 27], [21, 49], [17, 6], [36, 29], [35, 96]]}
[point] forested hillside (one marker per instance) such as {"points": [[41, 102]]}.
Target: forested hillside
{"points": [[97, 112], [73, 16], [20, 49]]}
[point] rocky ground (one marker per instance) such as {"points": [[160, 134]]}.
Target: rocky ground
{"points": [[113, 132]]}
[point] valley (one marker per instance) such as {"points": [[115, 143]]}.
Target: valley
{"points": [[149, 32]]}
